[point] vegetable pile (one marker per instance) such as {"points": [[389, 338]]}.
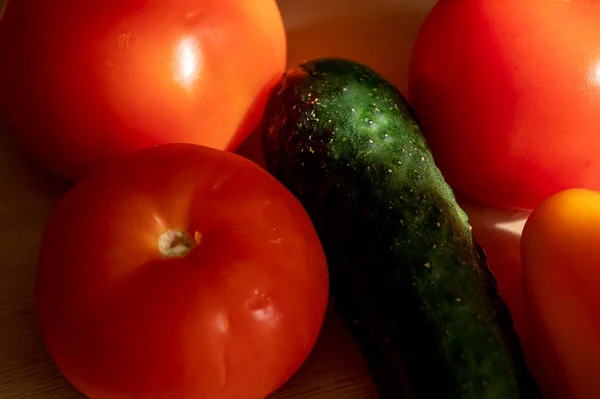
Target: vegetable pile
{"points": [[175, 268]]}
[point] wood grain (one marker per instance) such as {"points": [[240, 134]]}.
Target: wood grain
{"points": [[335, 369]]}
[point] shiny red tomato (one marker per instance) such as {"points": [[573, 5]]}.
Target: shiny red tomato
{"points": [[508, 95], [180, 272], [86, 80]]}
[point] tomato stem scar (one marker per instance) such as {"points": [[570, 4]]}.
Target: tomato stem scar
{"points": [[177, 243]]}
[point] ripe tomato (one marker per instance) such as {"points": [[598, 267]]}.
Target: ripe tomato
{"points": [[508, 95], [86, 80], [180, 271], [561, 278]]}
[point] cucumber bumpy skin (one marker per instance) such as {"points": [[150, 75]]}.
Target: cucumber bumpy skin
{"points": [[407, 277]]}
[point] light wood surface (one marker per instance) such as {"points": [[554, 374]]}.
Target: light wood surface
{"points": [[381, 35]]}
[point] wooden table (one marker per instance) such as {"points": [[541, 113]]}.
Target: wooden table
{"points": [[381, 35]]}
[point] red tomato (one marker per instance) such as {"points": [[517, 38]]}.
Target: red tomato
{"points": [[508, 95], [561, 278], [86, 80], [180, 272]]}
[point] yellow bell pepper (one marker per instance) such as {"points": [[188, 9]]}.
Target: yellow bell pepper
{"points": [[560, 253]]}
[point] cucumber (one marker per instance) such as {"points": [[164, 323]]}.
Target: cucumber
{"points": [[407, 276]]}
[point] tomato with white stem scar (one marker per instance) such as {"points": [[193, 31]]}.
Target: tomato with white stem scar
{"points": [[180, 272]]}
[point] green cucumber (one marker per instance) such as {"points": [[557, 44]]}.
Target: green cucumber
{"points": [[407, 277]]}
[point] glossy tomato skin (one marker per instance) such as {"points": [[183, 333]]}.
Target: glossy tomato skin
{"points": [[82, 81], [234, 318], [561, 279], [508, 96]]}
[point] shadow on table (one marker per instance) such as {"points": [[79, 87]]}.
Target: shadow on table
{"points": [[334, 370], [27, 196]]}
